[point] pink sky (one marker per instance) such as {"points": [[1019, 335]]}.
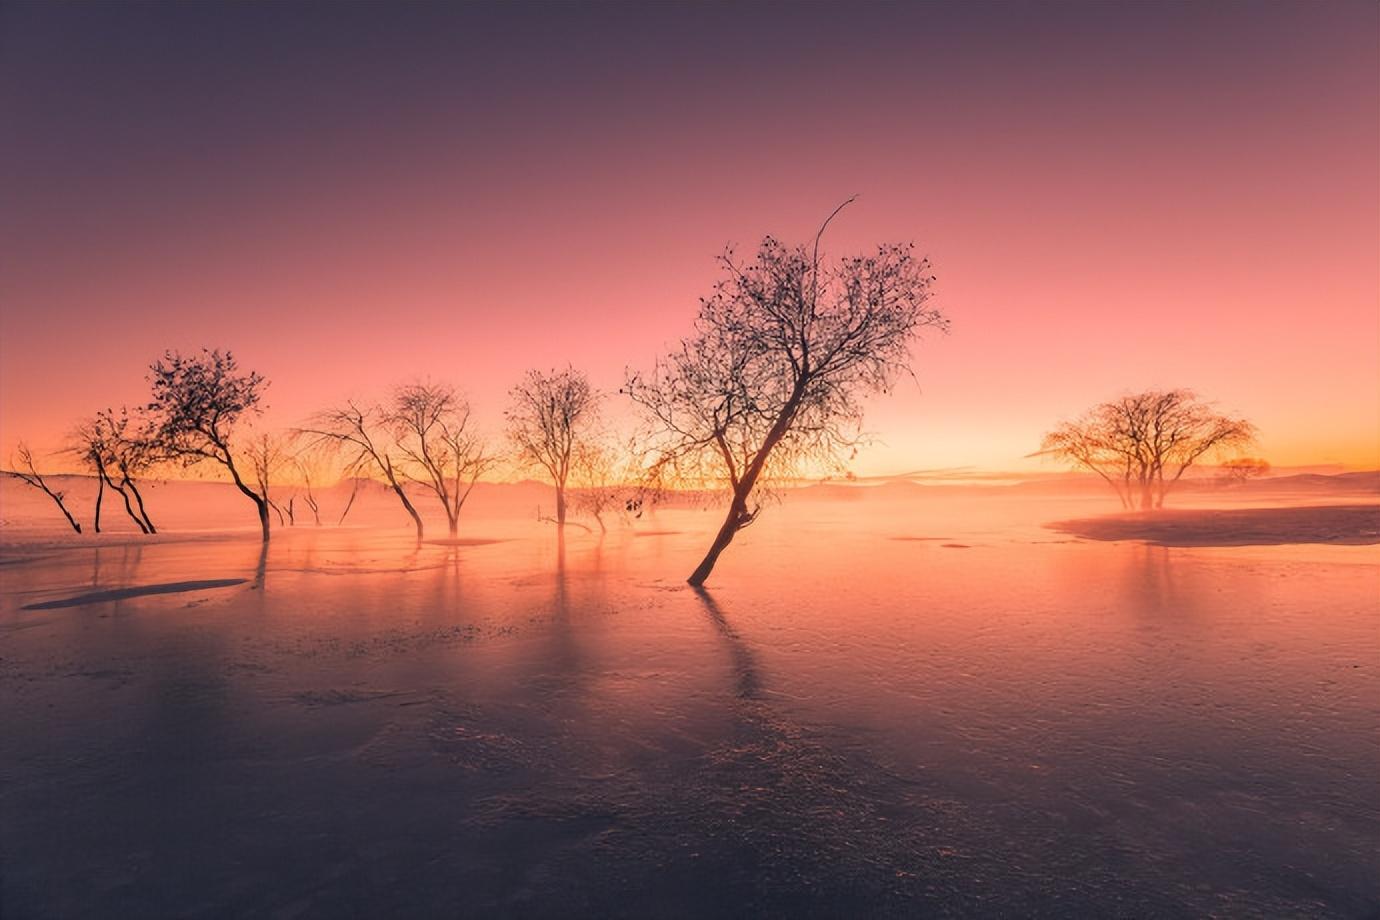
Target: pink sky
{"points": [[1112, 200]]}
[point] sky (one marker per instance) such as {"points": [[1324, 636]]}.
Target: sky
{"points": [[348, 196]]}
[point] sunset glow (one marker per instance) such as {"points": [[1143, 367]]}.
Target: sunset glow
{"points": [[595, 459], [1114, 197]]}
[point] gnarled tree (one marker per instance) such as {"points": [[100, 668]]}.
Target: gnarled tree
{"points": [[362, 434], [770, 382], [550, 417], [197, 402], [1142, 444], [438, 446], [26, 472]]}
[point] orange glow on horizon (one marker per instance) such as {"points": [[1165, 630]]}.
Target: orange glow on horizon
{"points": [[1194, 204]]}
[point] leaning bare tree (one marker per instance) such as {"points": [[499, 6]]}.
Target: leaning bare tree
{"points": [[362, 434], [771, 380], [1142, 444], [27, 473], [439, 448], [549, 419], [117, 453], [197, 402]]}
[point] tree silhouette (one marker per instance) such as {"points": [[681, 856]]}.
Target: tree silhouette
{"points": [[1238, 470], [1143, 443], [362, 434], [267, 455], [305, 470], [30, 475], [116, 453], [601, 481], [197, 402], [430, 423], [549, 419], [770, 382]]}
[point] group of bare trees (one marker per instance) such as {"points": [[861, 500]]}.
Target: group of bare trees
{"points": [[767, 386], [423, 435], [1142, 444], [195, 404]]}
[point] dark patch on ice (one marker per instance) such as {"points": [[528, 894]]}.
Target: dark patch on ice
{"points": [[1336, 524], [119, 675], [956, 546], [464, 541], [342, 697], [119, 594]]}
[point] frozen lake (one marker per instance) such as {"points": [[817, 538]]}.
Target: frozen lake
{"points": [[937, 708]]}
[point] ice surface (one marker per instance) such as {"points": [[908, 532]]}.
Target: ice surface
{"points": [[855, 719]]}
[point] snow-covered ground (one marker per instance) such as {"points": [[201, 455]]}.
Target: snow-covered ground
{"points": [[900, 705]]}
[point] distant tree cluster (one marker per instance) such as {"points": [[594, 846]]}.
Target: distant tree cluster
{"points": [[1142, 444]]}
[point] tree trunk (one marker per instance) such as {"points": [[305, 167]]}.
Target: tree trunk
{"points": [[263, 516], [129, 509], [725, 536], [139, 500], [100, 494], [560, 506], [416, 518], [453, 522]]}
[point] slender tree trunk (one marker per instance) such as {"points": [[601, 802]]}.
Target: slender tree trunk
{"points": [[560, 506], [139, 500], [453, 522], [37, 482], [100, 494], [416, 518], [354, 490], [731, 525], [737, 517], [67, 514], [260, 501], [129, 509]]}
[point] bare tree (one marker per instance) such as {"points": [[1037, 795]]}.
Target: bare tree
{"points": [[602, 483], [305, 472], [116, 453], [1142, 444], [86, 444], [1239, 470], [30, 475], [431, 426], [267, 455], [362, 434], [771, 380], [350, 503], [549, 417], [197, 402]]}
